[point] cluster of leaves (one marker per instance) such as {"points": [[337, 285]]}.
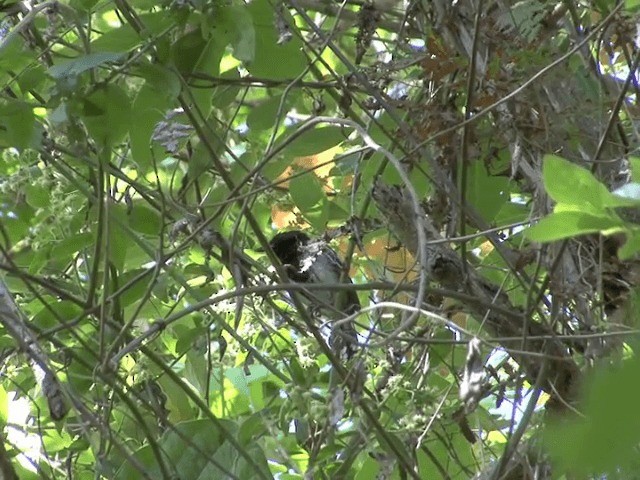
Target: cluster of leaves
{"points": [[585, 205], [150, 149]]}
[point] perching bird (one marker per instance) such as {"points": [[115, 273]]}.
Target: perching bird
{"points": [[313, 261]]}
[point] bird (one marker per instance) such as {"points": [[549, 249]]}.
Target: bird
{"points": [[313, 261]]}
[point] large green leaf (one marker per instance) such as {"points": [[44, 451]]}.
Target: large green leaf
{"points": [[145, 220], [566, 224], [306, 192], [38, 195], [195, 52], [609, 418], [635, 169], [119, 238], [83, 63], [632, 5], [85, 5], [200, 450], [224, 95], [4, 407], [487, 193], [568, 183], [56, 313], [153, 101], [18, 126], [119, 39], [314, 140], [631, 245], [137, 285], [243, 37], [273, 60], [107, 114], [65, 249], [263, 115], [32, 77], [125, 38]]}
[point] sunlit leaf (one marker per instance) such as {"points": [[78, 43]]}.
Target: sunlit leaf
{"points": [[631, 4], [566, 182], [567, 224]]}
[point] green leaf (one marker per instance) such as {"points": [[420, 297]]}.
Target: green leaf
{"points": [[568, 183], [118, 237], [487, 193], [145, 220], [56, 313], [4, 407], [318, 215], [273, 61], [150, 106], [121, 39], [38, 195], [224, 95], [209, 64], [163, 80], [56, 440], [178, 402], [26, 474], [145, 4], [335, 212], [306, 192], [253, 427], [13, 55], [18, 126], [631, 4], [440, 352], [314, 140], [125, 38], [83, 5], [188, 50], [243, 39], [82, 64], [369, 469], [107, 114], [32, 77], [65, 249], [631, 245], [263, 116], [567, 224], [610, 418], [135, 289], [635, 168], [200, 449], [238, 379]]}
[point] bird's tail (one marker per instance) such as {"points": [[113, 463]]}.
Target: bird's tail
{"points": [[344, 336]]}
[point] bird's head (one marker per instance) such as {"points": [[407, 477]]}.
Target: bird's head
{"points": [[285, 245]]}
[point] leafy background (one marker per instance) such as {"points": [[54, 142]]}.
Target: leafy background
{"points": [[150, 150]]}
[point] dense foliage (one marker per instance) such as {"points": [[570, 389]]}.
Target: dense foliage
{"points": [[472, 161]]}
